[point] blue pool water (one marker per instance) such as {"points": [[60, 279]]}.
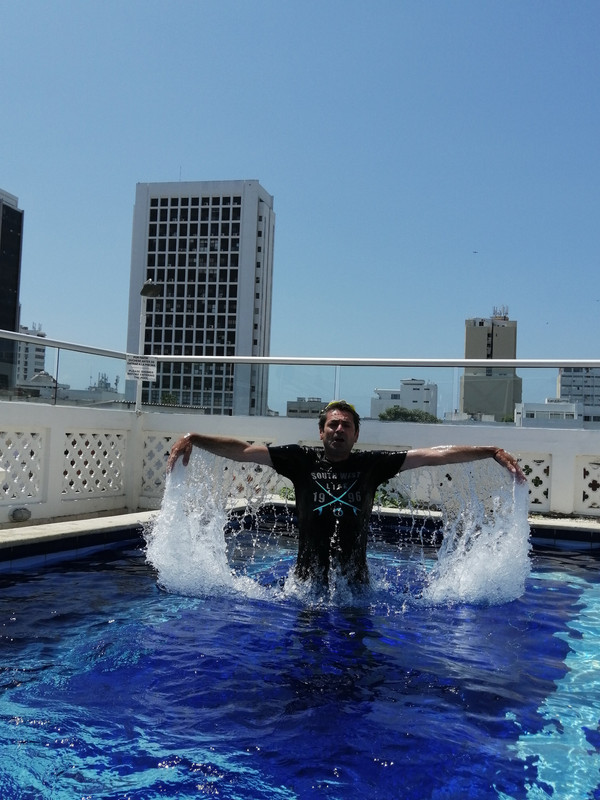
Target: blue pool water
{"points": [[239, 684]]}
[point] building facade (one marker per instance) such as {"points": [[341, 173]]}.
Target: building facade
{"points": [[490, 390], [310, 407], [413, 394], [581, 385], [553, 413], [31, 358], [208, 246], [11, 237]]}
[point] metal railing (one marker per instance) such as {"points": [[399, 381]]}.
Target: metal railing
{"points": [[75, 367]]}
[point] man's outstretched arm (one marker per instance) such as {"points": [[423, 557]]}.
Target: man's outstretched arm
{"points": [[235, 449], [459, 454]]}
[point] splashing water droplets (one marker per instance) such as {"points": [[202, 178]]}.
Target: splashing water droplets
{"points": [[483, 559], [187, 545]]}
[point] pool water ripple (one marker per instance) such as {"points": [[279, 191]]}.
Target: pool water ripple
{"points": [[153, 695], [244, 686]]}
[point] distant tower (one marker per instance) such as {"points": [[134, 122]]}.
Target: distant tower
{"points": [[31, 358], [209, 246], [11, 235], [490, 390]]}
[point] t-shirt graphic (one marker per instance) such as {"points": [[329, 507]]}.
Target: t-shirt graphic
{"points": [[340, 496], [334, 501]]}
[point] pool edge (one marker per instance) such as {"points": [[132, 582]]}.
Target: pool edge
{"points": [[47, 540]]}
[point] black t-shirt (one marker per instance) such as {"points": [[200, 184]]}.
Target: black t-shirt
{"points": [[334, 501]]}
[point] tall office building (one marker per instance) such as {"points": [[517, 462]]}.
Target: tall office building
{"points": [[11, 235], [490, 390], [208, 246]]}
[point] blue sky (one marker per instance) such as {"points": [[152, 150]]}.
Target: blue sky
{"points": [[429, 160]]}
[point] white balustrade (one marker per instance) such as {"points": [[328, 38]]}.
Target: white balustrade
{"points": [[68, 462]]}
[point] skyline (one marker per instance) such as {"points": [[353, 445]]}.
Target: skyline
{"points": [[429, 162]]}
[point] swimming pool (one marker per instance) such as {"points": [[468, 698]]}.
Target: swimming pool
{"points": [[239, 685]]}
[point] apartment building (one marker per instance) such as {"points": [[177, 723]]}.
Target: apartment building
{"points": [[414, 394]]}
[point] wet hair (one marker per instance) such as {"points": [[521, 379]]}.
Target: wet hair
{"points": [[339, 405]]}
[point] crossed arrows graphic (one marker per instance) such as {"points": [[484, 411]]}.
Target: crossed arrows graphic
{"points": [[338, 512]]}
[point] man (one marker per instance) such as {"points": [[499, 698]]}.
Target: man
{"points": [[335, 488]]}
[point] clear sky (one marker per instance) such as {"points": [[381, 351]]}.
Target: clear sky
{"points": [[429, 159]]}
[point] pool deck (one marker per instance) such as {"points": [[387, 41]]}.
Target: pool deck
{"points": [[46, 540]]}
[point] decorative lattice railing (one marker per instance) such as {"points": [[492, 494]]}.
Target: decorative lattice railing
{"points": [[94, 463], [21, 462], [62, 469]]}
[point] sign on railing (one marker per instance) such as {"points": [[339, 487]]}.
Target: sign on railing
{"points": [[141, 368]]}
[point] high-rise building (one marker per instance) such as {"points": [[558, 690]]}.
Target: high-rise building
{"points": [[581, 385], [11, 235], [490, 390], [208, 245]]}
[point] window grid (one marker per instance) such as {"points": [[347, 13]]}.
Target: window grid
{"points": [[193, 247]]}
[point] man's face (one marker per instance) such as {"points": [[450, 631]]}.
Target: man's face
{"points": [[338, 434]]}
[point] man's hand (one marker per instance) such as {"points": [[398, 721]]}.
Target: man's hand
{"points": [[511, 464], [183, 447]]}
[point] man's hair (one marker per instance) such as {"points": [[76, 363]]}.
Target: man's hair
{"points": [[339, 405]]}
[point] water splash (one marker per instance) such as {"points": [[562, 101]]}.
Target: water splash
{"points": [[484, 557], [186, 544]]}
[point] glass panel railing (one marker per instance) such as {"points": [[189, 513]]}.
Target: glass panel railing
{"points": [[297, 391], [35, 369], [88, 379], [36, 372]]}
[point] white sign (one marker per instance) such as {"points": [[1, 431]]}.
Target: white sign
{"points": [[142, 368]]}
